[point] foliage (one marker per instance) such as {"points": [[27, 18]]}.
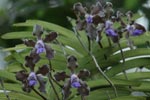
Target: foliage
{"points": [[67, 43]]}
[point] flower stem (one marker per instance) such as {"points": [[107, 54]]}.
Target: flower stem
{"points": [[89, 43], [49, 77], [38, 93], [123, 59], [2, 84], [53, 86], [56, 82], [109, 41], [61, 46], [104, 75], [100, 44], [82, 98], [96, 64]]}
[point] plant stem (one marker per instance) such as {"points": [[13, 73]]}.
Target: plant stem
{"points": [[56, 82], [50, 65], [49, 77], [82, 98], [53, 86], [38, 93], [104, 75], [80, 40], [108, 95], [65, 54], [123, 59], [96, 64], [2, 84], [109, 41], [100, 44], [89, 43]]}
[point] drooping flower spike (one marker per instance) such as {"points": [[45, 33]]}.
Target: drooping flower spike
{"points": [[75, 80], [33, 78], [89, 21], [29, 80], [39, 45]]}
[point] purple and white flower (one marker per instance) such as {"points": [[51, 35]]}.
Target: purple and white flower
{"points": [[89, 18], [32, 79], [75, 82], [40, 47]]}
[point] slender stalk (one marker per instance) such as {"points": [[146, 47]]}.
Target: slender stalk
{"points": [[49, 78], [50, 65], [38, 93], [96, 64], [56, 82], [82, 98], [123, 59], [2, 84], [65, 54], [89, 43], [80, 40], [108, 95], [109, 41], [104, 75], [53, 87], [100, 44]]}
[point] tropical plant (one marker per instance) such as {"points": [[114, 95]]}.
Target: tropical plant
{"points": [[108, 60]]}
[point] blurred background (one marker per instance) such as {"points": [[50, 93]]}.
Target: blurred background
{"points": [[55, 11]]}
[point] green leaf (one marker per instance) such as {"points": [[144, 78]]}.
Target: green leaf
{"points": [[104, 94], [17, 47], [17, 96], [17, 35], [47, 25], [117, 82], [127, 65], [130, 98], [135, 76], [7, 75], [144, 87]]}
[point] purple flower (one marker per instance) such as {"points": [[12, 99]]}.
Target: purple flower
{"points": [[130, 29], [76, 84], [110, 32], [133, 31], [89, 18], [75, 81], [108, 24], [32, 80], [40, 47], [137, 32]]}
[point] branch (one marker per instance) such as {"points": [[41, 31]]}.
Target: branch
{"points": [[49, 77], [2, 84], [123, 59], [96, 63], [53, 86], [38, 93]]}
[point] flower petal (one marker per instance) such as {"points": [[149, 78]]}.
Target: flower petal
{"points": [[37, 30], [32, 80], [43, 70], [50, 37], [61, 76], [29, 43], [49, 52], [83, 73], [40, 47]]}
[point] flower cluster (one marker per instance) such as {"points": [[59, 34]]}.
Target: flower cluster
{"points": [[101, 17], [74, 79], [29, 80]]}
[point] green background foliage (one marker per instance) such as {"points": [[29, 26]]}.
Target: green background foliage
{"points": [[50, 19]]}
